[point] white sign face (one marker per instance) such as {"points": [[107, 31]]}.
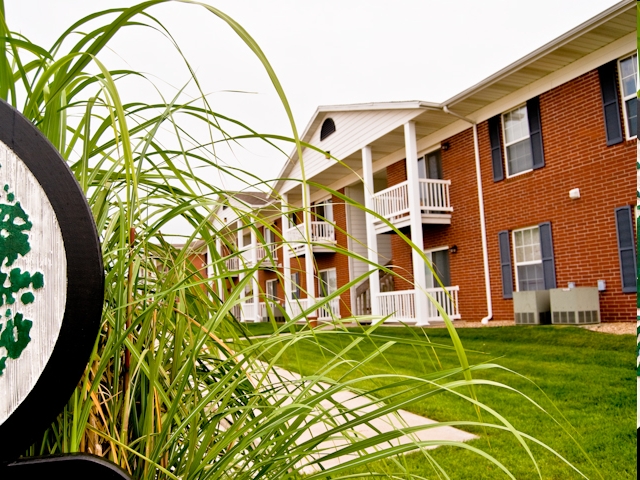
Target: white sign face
{"points": [[33, 281]]}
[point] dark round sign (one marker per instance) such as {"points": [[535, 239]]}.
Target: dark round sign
{"points": [[51, 282]]}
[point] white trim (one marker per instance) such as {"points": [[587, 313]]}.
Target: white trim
{"points": [[266, 289], [335, 272], [628, 97], [428, 253], [426, 151]]}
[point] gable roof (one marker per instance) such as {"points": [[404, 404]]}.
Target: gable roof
{"points": [[616, 23]]}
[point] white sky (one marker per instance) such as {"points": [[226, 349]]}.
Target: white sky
{"points": [[324, 52]]}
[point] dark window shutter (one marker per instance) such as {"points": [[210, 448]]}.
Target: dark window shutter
{"points": [[496, 150], [505, 264], [626, 250], [535, 132], [610, 105], [546, 249]]}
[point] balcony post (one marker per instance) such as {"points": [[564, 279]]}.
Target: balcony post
{"points": [[254, 275], [241, 265], [286, 259], [372, 238], [218, 271], [308, 249], [413, 189]]}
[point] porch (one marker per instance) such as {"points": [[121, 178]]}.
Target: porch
{"points": [[400, 305], [323, 236]]}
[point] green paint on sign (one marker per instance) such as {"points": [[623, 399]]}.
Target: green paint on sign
{"points": [[14, 243]]}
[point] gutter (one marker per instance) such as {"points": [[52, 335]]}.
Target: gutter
{"points": [[483, 226]]}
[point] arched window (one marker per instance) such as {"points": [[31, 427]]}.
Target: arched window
{"points": [[328, 127]]}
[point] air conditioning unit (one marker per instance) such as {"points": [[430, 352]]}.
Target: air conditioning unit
{"points": [[531, 307], [575, 306]]}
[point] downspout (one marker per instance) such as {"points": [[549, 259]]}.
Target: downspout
{"points": [[483, 226]]}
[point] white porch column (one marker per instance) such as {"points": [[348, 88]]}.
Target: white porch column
{"points": [[284, 251], [254, 280], [308, 249], [413, 188], [217, 271], [372, 238], [241, 265]]}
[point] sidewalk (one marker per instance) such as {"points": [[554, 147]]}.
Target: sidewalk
{"points": [[401, 419]]}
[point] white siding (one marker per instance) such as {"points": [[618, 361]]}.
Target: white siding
{"points": [[354, 130], [357, 229]]}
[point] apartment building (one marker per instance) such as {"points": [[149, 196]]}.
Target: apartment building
{"points": [[521, 182]]}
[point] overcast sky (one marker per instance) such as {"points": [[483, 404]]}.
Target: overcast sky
{"points": [[324, 52]]}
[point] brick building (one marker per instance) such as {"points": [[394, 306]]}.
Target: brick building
{"points": [[521, 182]]}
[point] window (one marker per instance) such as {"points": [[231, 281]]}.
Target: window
{"points": [[629, 86], [533, 257], [295, 285], [517, 144], [327, 282], [528, 259], [521, 132], [271, 292], [270, 242]]}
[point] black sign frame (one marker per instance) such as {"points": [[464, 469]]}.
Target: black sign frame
{"points": [[85, 284]]}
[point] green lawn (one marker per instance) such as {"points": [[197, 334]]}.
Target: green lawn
{"points": [[590, 377]]}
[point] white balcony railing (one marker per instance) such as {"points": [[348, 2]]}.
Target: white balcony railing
{"points": [[249, 311], [448, 298], [322, 232], [400, 305], [297, 306], [271, 255], [434, 195], [393, 202], [232, 264], [329, 310]]}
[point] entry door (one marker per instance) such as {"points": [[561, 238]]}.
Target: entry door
{"points": [[327, 282], [430, 166], [440, 262], [323, 210]]}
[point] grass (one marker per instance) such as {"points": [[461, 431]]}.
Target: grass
{"points": [[589, 377]]}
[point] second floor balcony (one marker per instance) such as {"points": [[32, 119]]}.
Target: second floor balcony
{"points": [[393, 204], [322, 237]]}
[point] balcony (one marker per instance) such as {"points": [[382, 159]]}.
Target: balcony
{"points": [[400, 305], [267, 256], [232, 264], [393, 204], [330, 310], [323, 236]]}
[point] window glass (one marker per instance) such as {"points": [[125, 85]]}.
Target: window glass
{"points": [[295, 285], [271, 290], [629, 82], [327, 282], [516, 141], [528, 259]]}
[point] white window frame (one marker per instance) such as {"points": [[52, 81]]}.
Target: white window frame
{"points": [[428, 252], [335, 273], [505, 144], [267, 295], [628, 97], [516, 264], [270, 241]]}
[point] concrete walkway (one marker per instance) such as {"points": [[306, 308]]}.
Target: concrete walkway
{"points": [[291, 382]]}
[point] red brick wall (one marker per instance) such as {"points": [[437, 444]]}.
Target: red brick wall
{"points": [[338, 260], [583, 230], [400, 250], [458, 165]]}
